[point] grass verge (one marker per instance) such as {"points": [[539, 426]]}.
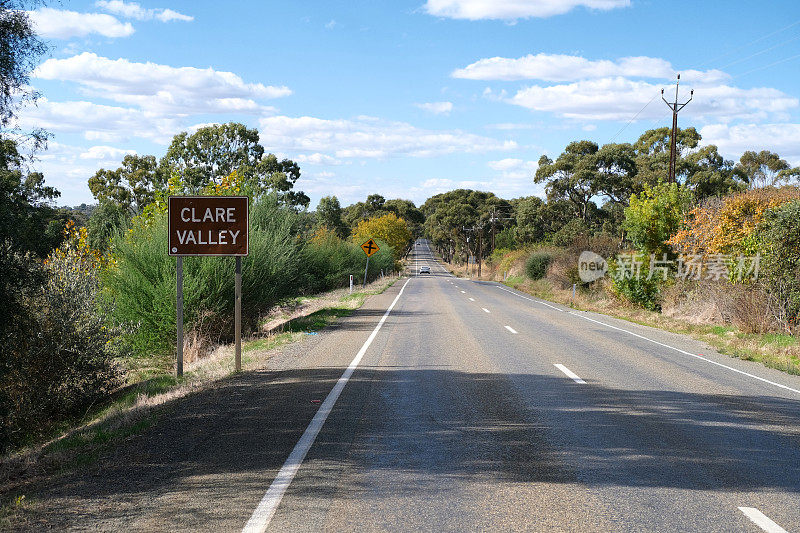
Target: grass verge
{"points": [[138, 406]]}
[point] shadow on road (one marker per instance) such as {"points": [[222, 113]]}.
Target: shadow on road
{"points": [[519, 428]]}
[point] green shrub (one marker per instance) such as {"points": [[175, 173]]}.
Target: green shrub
{"points": [[778, 239], [329, 261], [106, 220], [569, 232], [142, 282], [641, 291], [537, 263], [632, 283], [655, 215], [59, 356]]}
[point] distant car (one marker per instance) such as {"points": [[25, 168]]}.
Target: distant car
{"points": [[425, 270]]}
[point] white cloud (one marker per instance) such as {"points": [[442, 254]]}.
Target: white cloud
{"points": [[168, 15], [105, 153], [161, 88], [98, 122], [559, 67], [437, 108], [317, 159], [732, 141], [515, 169], [65, 169], [370, 138], [135, 11], [61, 24], [511, 10], [620, 99], [505, 164]]}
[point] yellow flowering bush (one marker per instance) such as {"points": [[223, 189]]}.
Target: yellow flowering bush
{"points": [[725, 225], [64, 357]]}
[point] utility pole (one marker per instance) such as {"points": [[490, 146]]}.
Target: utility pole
{"points": [[480, 248], [468, 251], [675, 107], [494, 219]]}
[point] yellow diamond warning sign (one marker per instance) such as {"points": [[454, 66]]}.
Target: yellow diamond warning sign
{"points": [[370, 247]]}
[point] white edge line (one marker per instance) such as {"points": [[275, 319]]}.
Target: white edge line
{"points": [[261, 517], [696, 356], [572, 375], [531, 299], [512, 330], [761, 520], [485, 310]]}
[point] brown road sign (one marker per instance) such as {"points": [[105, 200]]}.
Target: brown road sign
{"points": [[370, 247], [208, 225]]}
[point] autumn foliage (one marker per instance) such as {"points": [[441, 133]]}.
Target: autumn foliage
{"points": [[726, 225], [388, 228]]}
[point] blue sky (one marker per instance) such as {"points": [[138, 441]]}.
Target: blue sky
{"points": [[409, 99]]}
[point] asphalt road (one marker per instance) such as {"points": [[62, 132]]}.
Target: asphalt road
{"points": [[468, 407]]}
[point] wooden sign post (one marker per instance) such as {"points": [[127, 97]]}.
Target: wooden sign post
{"points": [[209, 226]]}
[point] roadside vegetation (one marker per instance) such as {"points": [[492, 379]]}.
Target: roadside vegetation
{"points": [[88, 316], [714, 255]]}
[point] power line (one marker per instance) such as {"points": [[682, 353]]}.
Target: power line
{"points": [[767, 66], [759, 39], [632, 119], [760, 52]]}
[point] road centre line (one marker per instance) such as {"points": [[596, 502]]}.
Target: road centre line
{"points": [[569, 373], [472, 299], [485, 310], [512, 330], [696, 356], [261, 517], [761, 520]]}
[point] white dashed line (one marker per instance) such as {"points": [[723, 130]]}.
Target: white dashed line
{"points": [[696, 356], [761, 520], [472, 299], [485, 310], [570, 373], [512, 330], [463, 292]]}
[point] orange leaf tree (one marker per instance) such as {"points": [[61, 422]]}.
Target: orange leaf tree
{"points": [[725, 225]]}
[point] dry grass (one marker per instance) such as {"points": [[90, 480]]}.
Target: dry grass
{"points": [[135, 408]]}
